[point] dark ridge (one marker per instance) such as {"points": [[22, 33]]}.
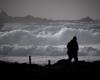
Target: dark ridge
{"points": [[62, 69]]}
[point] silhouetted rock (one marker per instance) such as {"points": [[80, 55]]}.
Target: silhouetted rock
{"points": [[4, 17], [3, 14], [62, 62], [87, 19]]}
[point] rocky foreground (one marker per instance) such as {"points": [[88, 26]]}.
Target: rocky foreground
{"points": [[60, 70]]}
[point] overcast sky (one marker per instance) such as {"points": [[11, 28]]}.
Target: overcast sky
{"points": [[52, 9]]}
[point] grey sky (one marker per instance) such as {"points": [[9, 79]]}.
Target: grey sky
{"points": [[52, 9]]}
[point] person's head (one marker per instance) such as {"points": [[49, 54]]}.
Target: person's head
{"points": [[75, 38]]}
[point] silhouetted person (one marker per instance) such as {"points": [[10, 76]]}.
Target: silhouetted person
{"points": [[73, 49]]}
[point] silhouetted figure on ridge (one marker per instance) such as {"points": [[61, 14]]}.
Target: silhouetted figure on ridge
{"points": [[73, 49]]}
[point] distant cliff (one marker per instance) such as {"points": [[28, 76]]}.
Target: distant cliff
{"points": [[4, 17], [87, 19]]}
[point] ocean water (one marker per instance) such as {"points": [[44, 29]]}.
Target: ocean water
{"points": [[43, 60]]}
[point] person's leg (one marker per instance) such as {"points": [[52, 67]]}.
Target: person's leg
{"points": [[76, 57], [69, 58]]}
